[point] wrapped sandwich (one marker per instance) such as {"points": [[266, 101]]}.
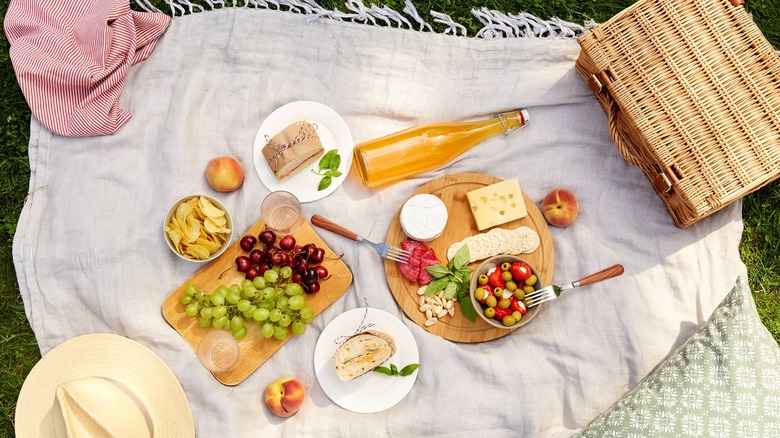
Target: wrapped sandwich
{"points": [[292, 149], [362, 353]]}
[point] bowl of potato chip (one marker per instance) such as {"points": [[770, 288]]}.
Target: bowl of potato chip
{"points": [[198, 228]]}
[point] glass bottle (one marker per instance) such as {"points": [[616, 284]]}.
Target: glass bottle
{"points": [[426, 147]]}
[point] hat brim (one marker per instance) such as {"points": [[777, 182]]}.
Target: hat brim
{"points": [[109, 356]]}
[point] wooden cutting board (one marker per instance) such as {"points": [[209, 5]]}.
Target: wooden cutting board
{"points": [[255, 349], [452, 191]]}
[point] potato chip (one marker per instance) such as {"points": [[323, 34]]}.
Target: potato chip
{"points": [[198, 228], [197, 251], [209, 209], [173, 234], [210, 245], [214, 228]]}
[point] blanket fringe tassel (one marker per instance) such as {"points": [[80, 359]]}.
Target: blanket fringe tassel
{"points": [[495, 24]]}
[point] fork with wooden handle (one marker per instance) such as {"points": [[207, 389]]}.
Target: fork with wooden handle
{"points": [[552, 291], [389, 252]]}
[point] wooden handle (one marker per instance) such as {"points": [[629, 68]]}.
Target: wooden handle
{"points": [[330, 226], [612, 271]]}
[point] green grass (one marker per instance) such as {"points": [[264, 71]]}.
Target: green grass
{"points": [[760, 247]]}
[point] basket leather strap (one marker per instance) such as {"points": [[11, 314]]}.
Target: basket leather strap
{"points": [[599, 81], [662, 182]]}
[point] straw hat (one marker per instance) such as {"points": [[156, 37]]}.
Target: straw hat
{"points": [[102, 385]]}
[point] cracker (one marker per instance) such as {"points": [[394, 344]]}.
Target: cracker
{"points": [[521, 240], [527, 240], [504, 240], [454, 249]]}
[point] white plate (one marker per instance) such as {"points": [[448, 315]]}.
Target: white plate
{"points": [[333, 132], [372, 392]]}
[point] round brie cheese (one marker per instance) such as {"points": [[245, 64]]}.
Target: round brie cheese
{"points": [[423, 217]]}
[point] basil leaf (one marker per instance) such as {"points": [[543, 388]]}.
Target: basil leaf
{"points": [[409, 369], [450, 290], [463, 290], [462, 257], [384, 370], [328, 158], [394, 369], [324, 162], [438, 271], [335, 162], [467, 309], [324, 183], [436, 285], [334, 173]]}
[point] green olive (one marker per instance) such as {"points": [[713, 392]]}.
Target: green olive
{"points": [[528, 289], [490, 312], [491, 301], [505, 266], [510, 286], [479, 294], [509, 320], [519, 294], [506, 275], [530, 281], [504, 303], [482, 279], [517, 315]]}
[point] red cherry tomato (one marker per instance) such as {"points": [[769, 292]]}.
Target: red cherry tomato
{"points": [[520, 271]]}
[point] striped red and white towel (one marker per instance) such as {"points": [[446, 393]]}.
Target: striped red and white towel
{"points": [[71, 59]]}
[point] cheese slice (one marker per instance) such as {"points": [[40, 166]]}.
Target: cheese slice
{"points": [[497, 204]]}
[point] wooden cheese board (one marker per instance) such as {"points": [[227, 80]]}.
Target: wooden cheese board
{"points": [[255, 349], [452, 191]]}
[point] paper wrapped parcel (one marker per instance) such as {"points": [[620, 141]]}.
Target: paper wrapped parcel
{"points": [[292, 149]]}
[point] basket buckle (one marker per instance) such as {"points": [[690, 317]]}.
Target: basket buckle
{"points": [[662, 183], [595, 84]]}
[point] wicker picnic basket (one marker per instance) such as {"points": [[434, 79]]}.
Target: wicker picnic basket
{"points": [[691, 89]]}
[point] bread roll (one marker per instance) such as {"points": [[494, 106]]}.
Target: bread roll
{"points": [[362, 353]]}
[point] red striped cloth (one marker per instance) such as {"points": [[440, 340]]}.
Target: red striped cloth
{"points": [[71, 59]]}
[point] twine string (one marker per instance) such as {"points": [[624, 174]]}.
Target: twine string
{"points": [[305, 132], [360, 328]]}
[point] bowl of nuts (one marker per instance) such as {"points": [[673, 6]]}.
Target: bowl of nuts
{"points": [[498, 289]]}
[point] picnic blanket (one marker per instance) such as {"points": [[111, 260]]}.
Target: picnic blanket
{"points": [[90, 254]]}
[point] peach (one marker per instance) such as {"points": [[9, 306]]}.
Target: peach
{"points": [[225, 174], [284, 396], [560, 207]]}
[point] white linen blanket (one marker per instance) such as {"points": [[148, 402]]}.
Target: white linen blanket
{"points": [[90, 255]]}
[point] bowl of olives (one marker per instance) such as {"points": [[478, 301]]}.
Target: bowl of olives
{"points": [[498, 288]]}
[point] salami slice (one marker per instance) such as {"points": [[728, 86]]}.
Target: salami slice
{"points": [[424, 277], [410, 270], [411, 245], [421, 257]]}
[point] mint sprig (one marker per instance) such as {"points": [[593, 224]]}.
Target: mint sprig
{"points": [[454, 280], [328, 168]]}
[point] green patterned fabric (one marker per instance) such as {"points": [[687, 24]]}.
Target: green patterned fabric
{"points": [[722, 382]]}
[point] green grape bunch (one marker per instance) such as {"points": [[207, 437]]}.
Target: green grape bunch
{"points": [[272, 300]]}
